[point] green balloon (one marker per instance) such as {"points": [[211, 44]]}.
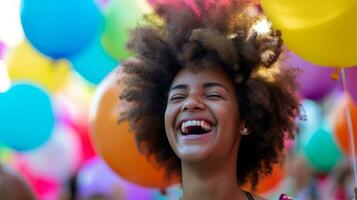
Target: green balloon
{"points": [[121, 17], [320, 149], [4, 154]]}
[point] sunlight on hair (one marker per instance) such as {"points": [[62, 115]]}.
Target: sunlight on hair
{"points": [[4, 78], [269, 73], [262, 26]]}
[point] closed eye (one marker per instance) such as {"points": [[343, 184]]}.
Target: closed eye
{"points": [[176, 97], [215, 96]]}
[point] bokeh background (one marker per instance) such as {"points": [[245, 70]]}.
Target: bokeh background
{"points": [[59, 66]]}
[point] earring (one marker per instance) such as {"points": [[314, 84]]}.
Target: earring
{"points": [[245, 131]]}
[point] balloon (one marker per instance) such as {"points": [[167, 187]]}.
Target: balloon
{"points": [[122, 16], [73, 103], [115, 144], [44, 188], [268, 183], [60, 28], [173, 192], [321, 31], [77, 95], [320, 149], [351, 78], [64, 145], [103, 3], [2, 49], [339, 122], [24, 63], [11, 30], [87, 146], [5, 155], [190, 3], [93, 63], [26, 117], [96, 178], [309, 87], [310, 123]]}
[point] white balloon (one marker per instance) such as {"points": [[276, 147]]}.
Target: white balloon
{"points": [[58, 158], [11, 32]]}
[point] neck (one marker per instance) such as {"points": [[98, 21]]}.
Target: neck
{"points": [[211, 180]]}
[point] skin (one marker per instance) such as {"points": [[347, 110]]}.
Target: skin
{"points": [[209, 162]]}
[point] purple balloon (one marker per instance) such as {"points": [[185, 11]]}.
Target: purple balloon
{"points": [[351, 79], [96, 178], [2, 49], [315, 81]]}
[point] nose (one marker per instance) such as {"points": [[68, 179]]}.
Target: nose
{"points": [[192, 104]]}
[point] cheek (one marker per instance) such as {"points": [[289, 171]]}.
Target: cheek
{"points": [[170, 114], [169, 117], [230, 115]]}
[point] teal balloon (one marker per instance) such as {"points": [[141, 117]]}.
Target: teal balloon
{"points": [[311, 122], [26, 117], [321, 150], [60, 28], [93, 63]]}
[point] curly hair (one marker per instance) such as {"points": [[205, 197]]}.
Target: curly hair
{"points": [[217, 36]]}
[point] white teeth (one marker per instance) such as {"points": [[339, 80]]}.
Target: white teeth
{"points": [[205, 125]]}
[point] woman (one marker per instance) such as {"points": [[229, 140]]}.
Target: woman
{"points": [[208, 101]]}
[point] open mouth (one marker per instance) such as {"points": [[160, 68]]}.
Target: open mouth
{"points": [[195, 127]]}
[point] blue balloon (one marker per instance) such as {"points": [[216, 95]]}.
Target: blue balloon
{"points": [[60, 28], [311, 123], [26, 117], [321, 150], [93, 63]]}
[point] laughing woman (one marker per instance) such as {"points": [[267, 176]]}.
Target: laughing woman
{"points": [[208, 101]]}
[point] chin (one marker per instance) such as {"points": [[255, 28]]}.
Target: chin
{"points": [[193, 156]]}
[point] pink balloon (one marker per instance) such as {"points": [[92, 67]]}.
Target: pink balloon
{"points": [[177, 4], [351, 79], [191, 4], [315, 81], [103, 3], [2, 49], [45, 188]]}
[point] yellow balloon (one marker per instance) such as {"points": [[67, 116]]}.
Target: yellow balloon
{"points": [[320, 31], [25, 63]]}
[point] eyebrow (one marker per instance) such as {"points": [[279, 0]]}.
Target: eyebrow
{"points": [[209, 85], [206, 85], [180, 86]]}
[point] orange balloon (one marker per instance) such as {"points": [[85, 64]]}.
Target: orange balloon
{"points": [[115, 144], [268, 183], [271, 182], [340, 126]]}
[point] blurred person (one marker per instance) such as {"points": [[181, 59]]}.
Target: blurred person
{"points": [[13, 186]]}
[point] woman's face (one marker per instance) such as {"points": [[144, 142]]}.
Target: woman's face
{"points": [[202, 117]]}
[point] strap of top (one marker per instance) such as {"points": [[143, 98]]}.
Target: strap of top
{"points": [[249, 196]]}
